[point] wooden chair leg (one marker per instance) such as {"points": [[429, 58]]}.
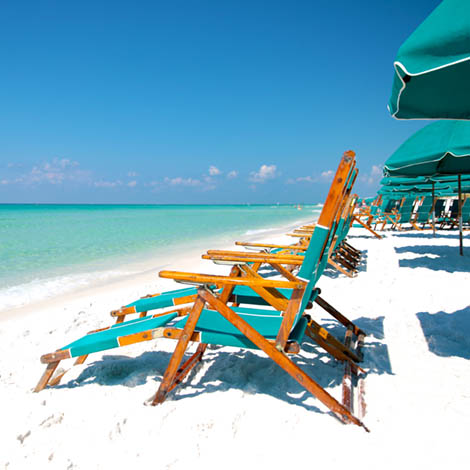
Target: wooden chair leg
{"points": [[338, 315], [56, 380], [339, 268], [367, 227], [331, 344], [43, 381], [170, 375], [354, 250], [188, 366], [353, 377]]}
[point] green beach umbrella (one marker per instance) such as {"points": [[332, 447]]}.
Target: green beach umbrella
{"points": [[424, 188], [396, 180], [440, 149], [432, 67]]}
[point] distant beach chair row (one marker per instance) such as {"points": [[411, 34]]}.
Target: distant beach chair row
{"points": [[225, 310], [416, 211]]}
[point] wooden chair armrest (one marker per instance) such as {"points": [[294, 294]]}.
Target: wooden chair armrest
{"points": [[246, 254], [201, 279], [272, 245], [255, 259]]}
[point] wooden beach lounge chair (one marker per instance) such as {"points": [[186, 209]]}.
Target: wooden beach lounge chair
{"points": [[402, 216], [387, 213], [452, 220], [439, 208], [210, 320], [367, 217], [422, 215]]}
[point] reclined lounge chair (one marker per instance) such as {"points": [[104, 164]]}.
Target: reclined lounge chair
{"points": [[209, 320]]}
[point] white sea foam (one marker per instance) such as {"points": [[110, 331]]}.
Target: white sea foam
{"points": [[41, 289], [263, 230]]}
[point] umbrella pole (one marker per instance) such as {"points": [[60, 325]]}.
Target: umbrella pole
{"points": [[433, 214], [460, 215]]}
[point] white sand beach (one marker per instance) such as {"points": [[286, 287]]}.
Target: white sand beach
{"points": [[238, 409]]}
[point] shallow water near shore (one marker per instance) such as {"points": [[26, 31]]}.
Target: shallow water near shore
{"points": [[49, 249]]}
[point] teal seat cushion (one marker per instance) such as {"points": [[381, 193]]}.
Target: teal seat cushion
{"points": [[163, 300], [108, 339], [215, 329], [246, 295]]}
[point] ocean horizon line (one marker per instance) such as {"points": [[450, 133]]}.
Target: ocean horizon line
{"points": [[154, 204]]}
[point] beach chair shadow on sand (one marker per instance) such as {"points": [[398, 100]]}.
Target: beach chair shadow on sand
{"points": [[429, 236], [277, 332], [447, 334], [239, 369], [434, 257]]}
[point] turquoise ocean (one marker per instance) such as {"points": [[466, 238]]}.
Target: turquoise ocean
{"points": [[46, 250]]}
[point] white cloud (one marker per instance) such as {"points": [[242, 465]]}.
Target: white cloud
{"points": [[107, 184], [232, 174], [14, 165], [373, 176], [65, 163], [132, 184], [302, 179], [305, 179], [266, 172], [3, 182], [327, 175], [53, 172], [132, 174], [179, 181], [214, 171]]}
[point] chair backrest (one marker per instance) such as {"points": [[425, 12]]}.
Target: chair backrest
{"points": [[391, 204], [352, 207], [466, 210], [406, 209], [424, 210], [454, 209], [439, 207], [345, 212], [314, 260], [339, 229]]}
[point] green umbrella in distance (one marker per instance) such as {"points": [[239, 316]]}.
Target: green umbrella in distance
{"points": [[440, 149], [432, 67], [396, 180]]}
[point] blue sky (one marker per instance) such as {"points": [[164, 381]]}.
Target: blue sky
{"points": [[196, 101]]}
